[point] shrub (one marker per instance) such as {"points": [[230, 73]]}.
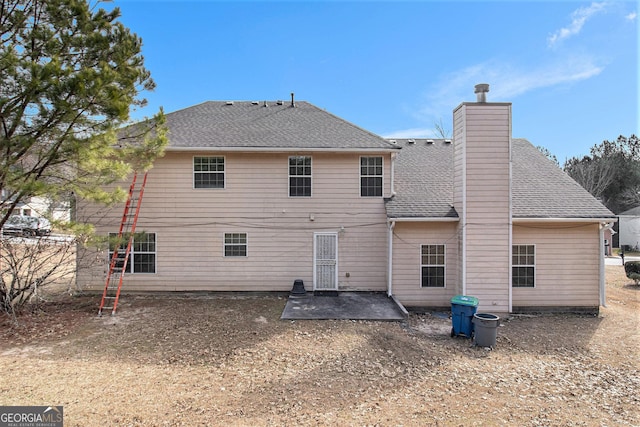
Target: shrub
{"points": [[27, 266], [632, 269]]}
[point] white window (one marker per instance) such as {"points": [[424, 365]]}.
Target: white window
{"points": [[432, 266], [300, 176], [523, 266], [208, 172], [371, 176], [235, 244], [142, 258]]}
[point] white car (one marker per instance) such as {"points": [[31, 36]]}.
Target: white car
{"points": [[23, 225]]}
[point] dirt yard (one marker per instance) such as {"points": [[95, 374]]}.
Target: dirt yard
{"points": [[230, 361]]}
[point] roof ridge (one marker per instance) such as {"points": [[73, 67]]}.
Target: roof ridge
{"points": [[213, 124], [355, 126]]}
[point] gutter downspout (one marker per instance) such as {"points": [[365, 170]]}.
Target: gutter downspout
{"points": [[393, 173], [463, 227], [603, 296], [392, 224]]}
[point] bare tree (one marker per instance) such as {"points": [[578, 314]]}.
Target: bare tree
{"points": [[440, 130], [594, 174], [611, 172], [631, 196], [548, 154], [28, 266]]}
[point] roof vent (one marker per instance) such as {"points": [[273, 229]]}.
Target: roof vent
{"points": [[481, 92], [229, 103], [279, 102], [254, 103], [447, 141], [265, 104], [393, 141], [429, 141], [411, 141], [293, 104]]}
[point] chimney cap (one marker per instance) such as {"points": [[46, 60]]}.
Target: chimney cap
{"points": [[482, 87], [481, 90]]}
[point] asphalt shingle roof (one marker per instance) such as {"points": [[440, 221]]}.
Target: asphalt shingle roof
{"points": [[541, 189], [423, 180], [423, 173], [246, 124], [424, 184]]}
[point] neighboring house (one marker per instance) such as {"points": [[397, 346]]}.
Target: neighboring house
{"points": [[629, 229], [40, 207], [251, 196]]}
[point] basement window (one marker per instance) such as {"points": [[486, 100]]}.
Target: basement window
{"points": [[523, 266]]}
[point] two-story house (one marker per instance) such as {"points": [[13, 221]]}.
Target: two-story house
{"points": [[251, 196]]}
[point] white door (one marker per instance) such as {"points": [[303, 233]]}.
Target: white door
{"points": [[325, 261]]}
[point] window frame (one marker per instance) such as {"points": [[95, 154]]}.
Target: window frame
{"points": [[223, 172], [225, 245], [309, 177], [134, 253], [433, 265], [367, 176], [531, 266]]}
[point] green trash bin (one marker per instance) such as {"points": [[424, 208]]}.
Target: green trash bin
{"points": [[486, 329]]}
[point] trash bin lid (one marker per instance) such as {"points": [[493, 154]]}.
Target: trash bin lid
{"points": [[465, 300], [486, 316]]}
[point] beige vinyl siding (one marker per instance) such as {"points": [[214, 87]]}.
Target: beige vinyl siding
{"points": [[459, 177], [190, 225], [482, 191], [567, 265], [458, 157], [408, 238]]}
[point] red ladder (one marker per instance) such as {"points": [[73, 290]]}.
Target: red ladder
{"points": [[119, 261]]}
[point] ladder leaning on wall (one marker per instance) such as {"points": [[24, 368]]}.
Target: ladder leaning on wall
{"points": [[119, 260]]}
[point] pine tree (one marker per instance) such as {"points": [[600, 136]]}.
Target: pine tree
{"points": [[70, 76]]}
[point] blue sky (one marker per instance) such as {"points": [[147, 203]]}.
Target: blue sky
{"points": [[396, 68]]}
